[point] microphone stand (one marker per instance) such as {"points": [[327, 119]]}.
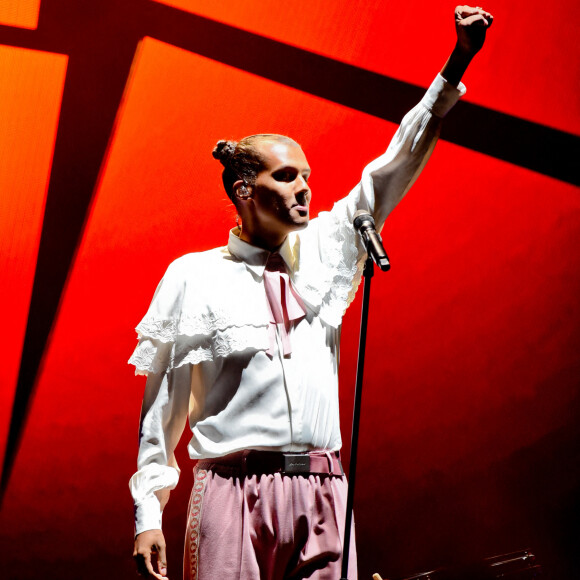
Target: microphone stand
{"points": [[367, 275]]}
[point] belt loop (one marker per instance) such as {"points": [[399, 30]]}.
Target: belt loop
{"points": [[330, 462]]}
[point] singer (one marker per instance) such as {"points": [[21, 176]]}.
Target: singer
{"points": [[241, 343]]}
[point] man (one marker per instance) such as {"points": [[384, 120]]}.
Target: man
{"points": [[243, 341]]}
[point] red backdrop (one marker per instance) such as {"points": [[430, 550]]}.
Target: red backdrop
{"points": [[470, 437]]}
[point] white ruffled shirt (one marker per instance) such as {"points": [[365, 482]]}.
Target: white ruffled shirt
{"points": [[203, 341]]}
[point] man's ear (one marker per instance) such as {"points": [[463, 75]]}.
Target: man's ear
{"points": [[241, 189]]}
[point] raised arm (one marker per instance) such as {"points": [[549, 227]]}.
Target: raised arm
{"points": [[393, 174], [330, 250]]}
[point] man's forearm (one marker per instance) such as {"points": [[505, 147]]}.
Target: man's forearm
{"points": [[456, 66]]}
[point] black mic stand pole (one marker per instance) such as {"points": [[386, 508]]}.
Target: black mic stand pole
{"points": [[367, 275]]}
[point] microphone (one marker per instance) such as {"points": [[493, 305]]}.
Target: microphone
{"points": [[364, 224]]}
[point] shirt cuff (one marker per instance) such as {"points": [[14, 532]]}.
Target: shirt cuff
{"points": [[441, 96], [148, 515]]}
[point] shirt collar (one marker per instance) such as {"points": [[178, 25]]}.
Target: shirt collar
{"points": [[253, 257]]}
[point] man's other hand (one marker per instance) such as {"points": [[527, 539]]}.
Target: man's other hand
{"points": [[146, 544]]}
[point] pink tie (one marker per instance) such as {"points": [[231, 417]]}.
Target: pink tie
{"points": [[284, 302]]}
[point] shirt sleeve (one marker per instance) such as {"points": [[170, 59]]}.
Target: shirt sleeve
{"points": [[163, 417], [165, 404]]}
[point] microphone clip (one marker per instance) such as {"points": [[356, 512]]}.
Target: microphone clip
{"points": [[364, 224]]}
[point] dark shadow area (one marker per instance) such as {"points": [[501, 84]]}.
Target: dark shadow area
{"points": [[456, 518]]}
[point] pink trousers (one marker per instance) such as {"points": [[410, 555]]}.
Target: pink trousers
{"points": [[266, 527]]}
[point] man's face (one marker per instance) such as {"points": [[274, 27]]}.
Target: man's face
{"points": [[280, 195]]}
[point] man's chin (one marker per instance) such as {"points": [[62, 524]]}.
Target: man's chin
{"points": [[301, 215], [301, 224]]}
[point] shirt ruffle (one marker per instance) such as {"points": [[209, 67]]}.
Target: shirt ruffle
{"points": [[195, 314], [187, 322], [156, 355], [329, 274]]}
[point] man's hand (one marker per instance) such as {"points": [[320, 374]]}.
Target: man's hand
{"points": [[146, 544], [471, 25]]}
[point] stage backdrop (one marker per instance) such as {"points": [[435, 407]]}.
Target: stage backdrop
{"points": [[470, 436]]}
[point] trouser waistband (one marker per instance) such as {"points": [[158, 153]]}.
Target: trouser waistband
{"points": [[259, 462]]}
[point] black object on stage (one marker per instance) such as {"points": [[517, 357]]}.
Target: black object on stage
{"points": [[520, 565], [364, 223]]}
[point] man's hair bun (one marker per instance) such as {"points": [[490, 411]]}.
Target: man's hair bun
{"points": [[243, 159], [224, 151]]}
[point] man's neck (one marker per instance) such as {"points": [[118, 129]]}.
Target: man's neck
{"points": [[270, 243]]}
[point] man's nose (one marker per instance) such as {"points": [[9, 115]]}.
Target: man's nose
{"points": [[303, 194], [304, 187]]}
